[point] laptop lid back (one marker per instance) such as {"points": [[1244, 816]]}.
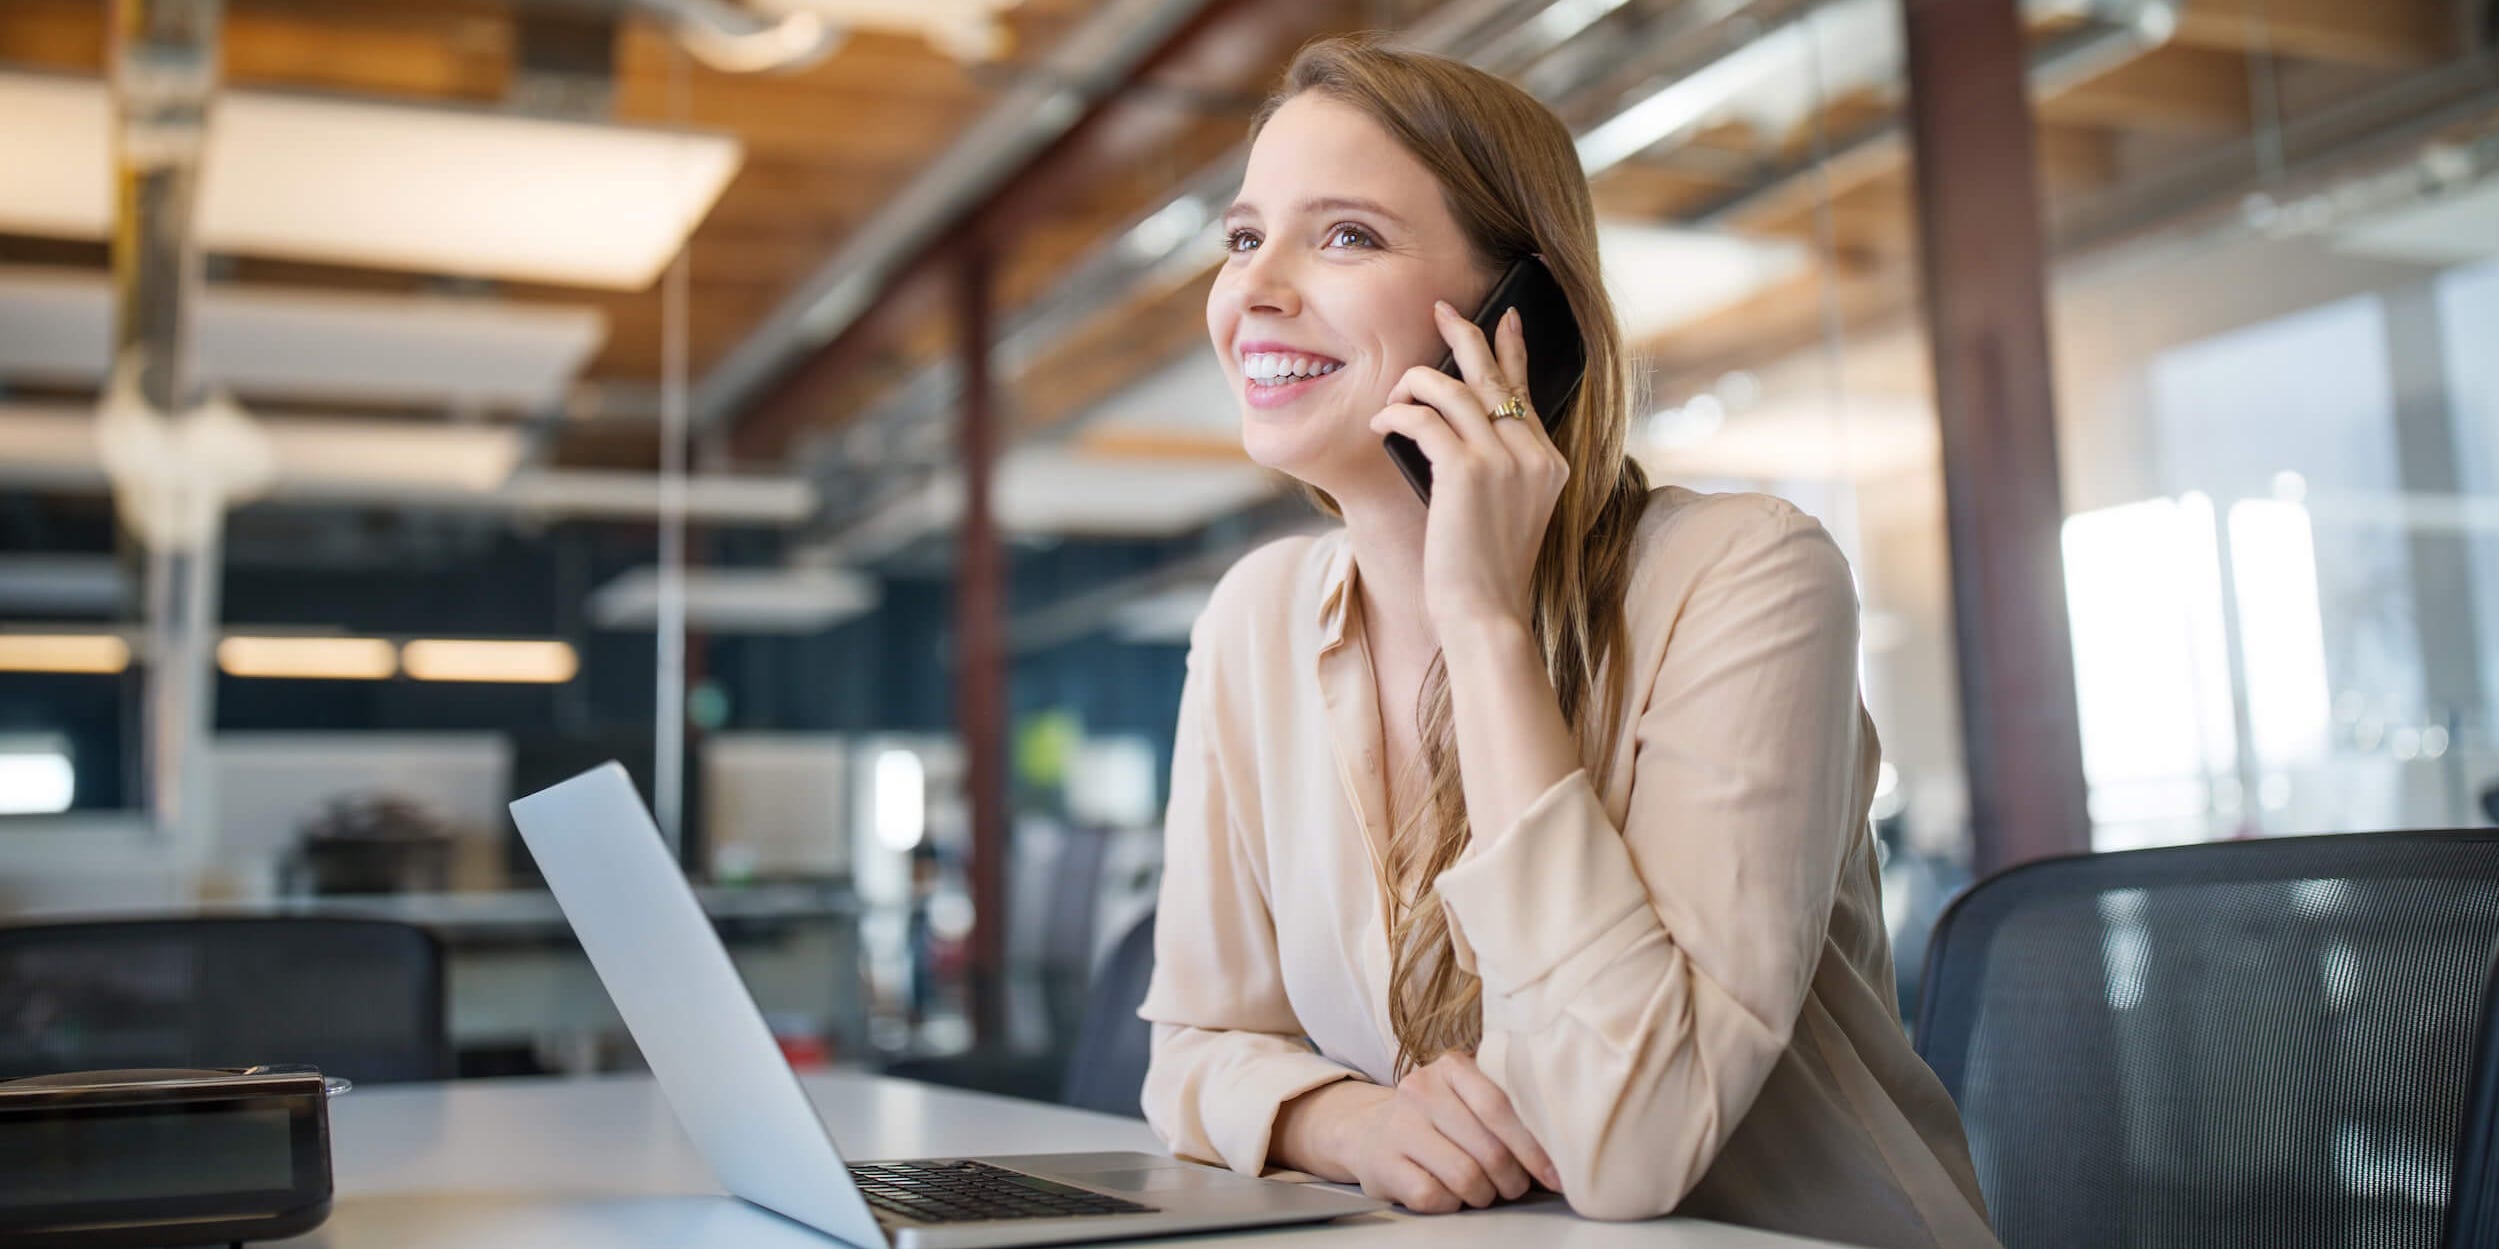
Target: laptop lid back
{"points": [[698, 1027]]}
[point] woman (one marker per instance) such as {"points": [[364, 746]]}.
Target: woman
{"points": [[1594, 904]]}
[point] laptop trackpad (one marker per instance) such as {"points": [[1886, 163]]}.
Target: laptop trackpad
{"points": [[1131, 1172], [1150, 1179]]}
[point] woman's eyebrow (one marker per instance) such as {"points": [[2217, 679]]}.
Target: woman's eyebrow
{"points": [[1324, 203], [1348, 203]]}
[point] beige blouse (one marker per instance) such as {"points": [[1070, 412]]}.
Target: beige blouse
{"points": [[1687, 984]]}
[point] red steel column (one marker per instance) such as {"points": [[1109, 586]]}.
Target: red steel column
{"points": [[1984, 256], [981, 652]]}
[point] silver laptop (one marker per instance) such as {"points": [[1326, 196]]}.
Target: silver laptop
{"points": [[742, 1105]]}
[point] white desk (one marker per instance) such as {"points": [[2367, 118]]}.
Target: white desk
{"points": [[600, 1164]]}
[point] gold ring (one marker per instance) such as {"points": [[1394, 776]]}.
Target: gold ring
{"points": [[1513, 408]]}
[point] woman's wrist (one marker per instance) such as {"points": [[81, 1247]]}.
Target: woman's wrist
{"points": [[1309, 1129], [1482, 634]]}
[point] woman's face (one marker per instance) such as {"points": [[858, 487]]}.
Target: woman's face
{"points": [[1338, 245]]}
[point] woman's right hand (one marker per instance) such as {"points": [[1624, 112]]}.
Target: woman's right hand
{"points": [[1443, 1139]]}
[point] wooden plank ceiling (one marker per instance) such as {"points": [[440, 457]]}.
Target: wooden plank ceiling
{"points": [[826, 147]]}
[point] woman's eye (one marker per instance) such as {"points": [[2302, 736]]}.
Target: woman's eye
{"points": [[1235, 241], [1349, 236]]}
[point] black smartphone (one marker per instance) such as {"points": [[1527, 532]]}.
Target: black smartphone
{"points": [[1556, 357]]}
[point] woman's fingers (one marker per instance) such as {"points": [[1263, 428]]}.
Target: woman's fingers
{"points": [[1456, 1169], [1510, 349], [1491, 1108], [1404, 1181], [1429, 429], [1477, 362], [1455, 400], [1458, 1121]]}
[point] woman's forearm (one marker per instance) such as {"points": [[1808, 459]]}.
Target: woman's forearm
{"points": [[1512, 742]]}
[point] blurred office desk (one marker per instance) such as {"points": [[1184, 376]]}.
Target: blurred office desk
{"points": [[517, 976], [599, 1163]]}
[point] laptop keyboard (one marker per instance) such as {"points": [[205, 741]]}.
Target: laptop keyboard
{"points": [[973, 1192]]}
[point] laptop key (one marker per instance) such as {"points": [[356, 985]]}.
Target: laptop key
{"points": [[966, 1191]]}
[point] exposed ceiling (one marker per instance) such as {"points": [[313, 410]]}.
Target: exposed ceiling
{"points": [[1096, 240]]}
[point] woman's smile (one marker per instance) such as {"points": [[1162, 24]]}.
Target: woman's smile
{"points": [[1276, 374]]}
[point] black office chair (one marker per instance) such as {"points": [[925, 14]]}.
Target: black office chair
{"points": [[358, 998], [1107, 1071], [2252, 1043], [2473, 1215]]}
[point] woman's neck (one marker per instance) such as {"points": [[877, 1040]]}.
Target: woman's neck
{"points": [[1387, 540]]}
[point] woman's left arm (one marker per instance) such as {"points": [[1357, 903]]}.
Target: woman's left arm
{"points": [[1640, 982]]}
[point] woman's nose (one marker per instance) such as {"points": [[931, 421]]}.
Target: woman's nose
{"points": [[1265, 284]]}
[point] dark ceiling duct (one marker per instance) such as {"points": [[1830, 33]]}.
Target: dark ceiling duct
{"points": [[164, 73]]}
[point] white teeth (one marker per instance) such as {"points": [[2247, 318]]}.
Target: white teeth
{"points": [[1274, 366]]}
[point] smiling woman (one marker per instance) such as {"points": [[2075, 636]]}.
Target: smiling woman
{"points": [[1633, 949]]}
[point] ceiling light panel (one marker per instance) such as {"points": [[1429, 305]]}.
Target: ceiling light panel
{"points": [[492, 660], [309, 658], [1052, 491], [56, 325], [740, 600], [63, 652], [392, 186]]}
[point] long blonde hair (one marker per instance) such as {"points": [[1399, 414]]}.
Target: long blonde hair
{"points": [[1510, 175]]}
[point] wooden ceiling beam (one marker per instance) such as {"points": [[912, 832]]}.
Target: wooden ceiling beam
{"points": [[2384, 34], [462, 52], [1230, 42], [1162, 445], [2179, 90]]}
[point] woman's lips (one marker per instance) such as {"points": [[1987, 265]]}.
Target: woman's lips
{"points": [[1264, 396]]}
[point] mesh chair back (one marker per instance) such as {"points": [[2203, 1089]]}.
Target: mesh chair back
{"points": [[355, 997], [2473, 1218], [1107, 1071], [2253, 1043]]}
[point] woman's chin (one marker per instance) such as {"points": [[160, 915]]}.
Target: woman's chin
{"points": [[1289, 445]]}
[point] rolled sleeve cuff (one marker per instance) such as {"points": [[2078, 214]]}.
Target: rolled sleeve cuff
{"points": [[1245, 1127], [1523, 902]]}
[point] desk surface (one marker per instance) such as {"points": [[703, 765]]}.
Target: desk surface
{"points": [[600, 1164]]}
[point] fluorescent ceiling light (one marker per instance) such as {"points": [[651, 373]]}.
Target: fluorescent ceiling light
{"points": [[392, 186], [1565, 18], [59, 444], [740, 600], [2454, 228], [57, 325], [395, 453], [63, 652], [1057, 490], [1772, 82], [1047, 490], [477, 659], [308, 658], [1662, 277]]}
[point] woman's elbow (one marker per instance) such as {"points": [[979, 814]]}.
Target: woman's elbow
{"points": [[1634, 1176], [1622, 1200]]}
